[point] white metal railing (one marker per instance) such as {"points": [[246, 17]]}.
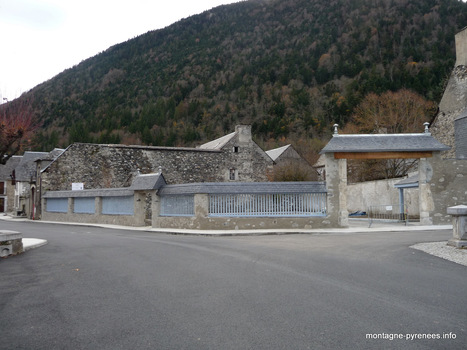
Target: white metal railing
{"points": [[267, 205]]}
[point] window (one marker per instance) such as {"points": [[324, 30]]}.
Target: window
{"points": [[2, 187], [232, 174], [235, 149]]}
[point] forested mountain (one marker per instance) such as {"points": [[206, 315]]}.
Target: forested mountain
{"points": [[291, 68]]}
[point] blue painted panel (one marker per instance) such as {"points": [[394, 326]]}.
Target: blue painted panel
{"points": [[57, 205], [85, 205], [118, 205]]}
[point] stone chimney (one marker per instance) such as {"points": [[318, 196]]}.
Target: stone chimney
{"points": [[244, 133], [461, 48]]}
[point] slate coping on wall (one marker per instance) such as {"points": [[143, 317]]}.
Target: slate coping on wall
{"points": [[384, 143], [142, 182], [244, 188], [101, 192]]}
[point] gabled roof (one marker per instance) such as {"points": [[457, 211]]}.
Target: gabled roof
{"points": [[145, 182], [244, 188], [277, 152], [7, 169], [384, 143], [218, 143]]}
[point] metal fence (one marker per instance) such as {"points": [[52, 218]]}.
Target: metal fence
{"points": [[387, 213], [267, 205]]}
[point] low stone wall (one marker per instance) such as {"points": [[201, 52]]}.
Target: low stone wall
{"points": [[137, 219], [202, 221], [11, 243]]}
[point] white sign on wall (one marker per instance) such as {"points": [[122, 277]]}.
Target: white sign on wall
{"points": [[77, 186]]}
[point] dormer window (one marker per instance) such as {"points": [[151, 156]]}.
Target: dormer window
{"points": [[235, 149]]}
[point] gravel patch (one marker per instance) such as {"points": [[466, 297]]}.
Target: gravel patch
{"points": [[442, 250]]}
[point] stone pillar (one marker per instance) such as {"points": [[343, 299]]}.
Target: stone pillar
{"points": [[201, 206], [71, 205], [459, 226], [425, 197], [98, 206], [139, 199], [156, 210], [343, 212], [336, 185]]}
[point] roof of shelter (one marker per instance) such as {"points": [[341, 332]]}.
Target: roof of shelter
{"points": [[384, 143], [409, 182], [244, 188], [277, 152]]}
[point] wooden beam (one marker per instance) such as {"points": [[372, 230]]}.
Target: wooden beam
{"points": [[382, 155]]}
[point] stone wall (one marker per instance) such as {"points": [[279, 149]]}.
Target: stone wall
{"points": [[453, 103], [460, 125], [448, 187], [382, 192], [202, 221], [114, 166]]}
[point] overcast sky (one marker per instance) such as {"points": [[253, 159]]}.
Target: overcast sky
{"points": [[41, 38]]}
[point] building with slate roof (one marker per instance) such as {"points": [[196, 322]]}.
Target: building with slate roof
{"points": [[7, 185]]}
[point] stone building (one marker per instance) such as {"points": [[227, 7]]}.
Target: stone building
{"points": [[449, 183], [234, 157], [290, 165]]}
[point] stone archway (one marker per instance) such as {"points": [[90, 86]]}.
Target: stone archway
{"points": [[377, 146]]}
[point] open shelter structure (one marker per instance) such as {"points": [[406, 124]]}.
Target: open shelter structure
{"points": [[420, 146]]}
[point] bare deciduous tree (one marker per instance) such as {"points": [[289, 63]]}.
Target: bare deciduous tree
{"points": [[17, 123], [403, 111]]}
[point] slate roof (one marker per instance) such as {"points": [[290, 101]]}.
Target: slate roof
{"points": [[244, 187], [148, 182], [218, 143], [277, 152], [7, 169], [384, 143], [27, 166]]}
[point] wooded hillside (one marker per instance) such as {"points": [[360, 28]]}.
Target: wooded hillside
{"points": [[291, 68]]}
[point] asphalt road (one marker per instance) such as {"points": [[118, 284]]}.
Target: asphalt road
{"points": [[93, 288]]}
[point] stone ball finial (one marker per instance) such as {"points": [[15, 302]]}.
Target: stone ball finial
{"points": [[336, 132], [426, 124]]}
